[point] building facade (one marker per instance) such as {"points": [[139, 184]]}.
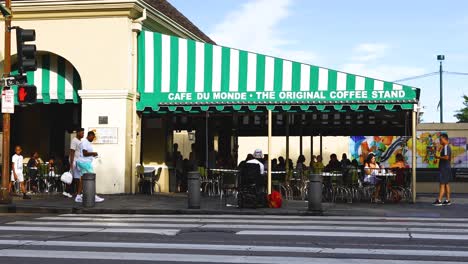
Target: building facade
{"points": [[86, 77]]}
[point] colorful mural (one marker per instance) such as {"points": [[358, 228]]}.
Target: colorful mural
{"points": [[386, 148]]}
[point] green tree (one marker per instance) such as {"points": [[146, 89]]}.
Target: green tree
{"points": [[462, 114]]}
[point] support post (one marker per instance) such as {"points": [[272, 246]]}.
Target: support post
{"points": [[4, 194], [413, 188], [311, 147], [321, 150], [269, 149], [287, 142], [301, 150], [441, 103]]}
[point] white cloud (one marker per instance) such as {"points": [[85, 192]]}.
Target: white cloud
{"points": [[256, 27], [369, 51], [369, 59], [383, 71]]}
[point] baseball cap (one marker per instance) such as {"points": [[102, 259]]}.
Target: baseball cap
{"points": [[258, 154]]}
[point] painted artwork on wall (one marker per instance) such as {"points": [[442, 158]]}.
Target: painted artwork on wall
{"points": [[428, 145], [385, 148]]}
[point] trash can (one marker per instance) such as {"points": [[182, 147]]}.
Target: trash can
{"points": [[89, 189], [193, 184], [315, 192]]}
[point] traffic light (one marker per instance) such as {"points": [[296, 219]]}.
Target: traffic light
{"points": [[26, 52], [27, 94]]}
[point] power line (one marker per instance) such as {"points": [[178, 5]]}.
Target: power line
{"points": [[430, 74], [457, 73], [417, 77]]}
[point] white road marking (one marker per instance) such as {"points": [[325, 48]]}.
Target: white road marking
{"points": [[237, 248], [166, 232], [352, 234], [127, 256], [116, 223], [324, 234], [325, 218], [101, 224], [279, 221]]}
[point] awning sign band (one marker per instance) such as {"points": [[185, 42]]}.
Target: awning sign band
{"points": [[176, 71]]}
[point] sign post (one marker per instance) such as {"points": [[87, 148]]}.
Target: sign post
{"points": [[4, 194]]}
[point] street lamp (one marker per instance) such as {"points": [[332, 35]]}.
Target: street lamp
{"points": [[441, 58]]}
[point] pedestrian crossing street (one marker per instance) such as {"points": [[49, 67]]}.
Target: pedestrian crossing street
{"points": [[243, 239]]}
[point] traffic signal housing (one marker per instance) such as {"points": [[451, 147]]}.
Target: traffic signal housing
{"points": [[26, 52], [27, 94]]}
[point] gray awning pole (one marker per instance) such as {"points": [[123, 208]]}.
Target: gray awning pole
{"points": [[414, 155], [311, 147]]}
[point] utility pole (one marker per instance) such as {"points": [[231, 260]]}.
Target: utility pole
{"points": [[4, 194], [440, 58]]}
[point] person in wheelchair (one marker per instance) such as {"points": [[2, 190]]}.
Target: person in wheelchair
{"points": [[252, 182]]}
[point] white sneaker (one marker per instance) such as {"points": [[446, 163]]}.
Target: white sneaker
{"points": [[98, 199], [79, 198], [67, 195]]}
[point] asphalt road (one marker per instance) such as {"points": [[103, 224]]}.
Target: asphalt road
{"points": [[31, 238]]}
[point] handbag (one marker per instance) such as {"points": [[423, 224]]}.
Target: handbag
{"points": [[66, 177]]}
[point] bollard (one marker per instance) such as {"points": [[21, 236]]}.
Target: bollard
{"points": [[193, 185], [315, 192], [89, 189]]}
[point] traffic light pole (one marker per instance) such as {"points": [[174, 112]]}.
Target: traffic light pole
{"points": [[4, 194]]}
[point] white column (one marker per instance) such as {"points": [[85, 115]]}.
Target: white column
{"points": [[414, 122], [269, 150], [114, 168]]}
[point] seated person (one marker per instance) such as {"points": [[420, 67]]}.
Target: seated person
{"points": [[371, 169], [399, 168]]}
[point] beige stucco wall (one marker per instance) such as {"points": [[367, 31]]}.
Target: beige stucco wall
{"points": [[337, 145], [99, 48], [103, 50], [452, 129]]}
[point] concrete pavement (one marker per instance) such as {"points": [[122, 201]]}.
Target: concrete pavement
{"points": [[177, 204]]}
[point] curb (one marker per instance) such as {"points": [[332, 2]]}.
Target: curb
{"points": [[80, 210]]}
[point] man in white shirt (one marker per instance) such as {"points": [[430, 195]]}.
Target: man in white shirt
{"points": [[76, 154], [17, 171], [89, 154], [258, 156]]}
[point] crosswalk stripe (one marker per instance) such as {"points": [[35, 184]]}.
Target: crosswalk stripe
{"points": [[105, 223], [245, 248], [101, 224], [352, 234], [127, 256], [292, 217], [166, 232], [285, 222]]}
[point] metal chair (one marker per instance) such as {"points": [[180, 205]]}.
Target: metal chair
{"points": [[228, 185], [156, 179]]}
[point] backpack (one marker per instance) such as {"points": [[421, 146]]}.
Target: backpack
{"points": [[275, 200]]}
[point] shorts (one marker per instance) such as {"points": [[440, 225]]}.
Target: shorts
{"points": [[76, 172], [445, 176], [19, 174]]}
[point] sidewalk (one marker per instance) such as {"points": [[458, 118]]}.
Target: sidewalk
{"points": [[177, 204]]}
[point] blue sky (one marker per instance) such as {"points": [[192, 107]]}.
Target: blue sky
{"points": [[390, 40]]}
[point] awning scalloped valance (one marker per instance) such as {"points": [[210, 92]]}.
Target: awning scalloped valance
{"points": [[176, 73], [56, 79]]}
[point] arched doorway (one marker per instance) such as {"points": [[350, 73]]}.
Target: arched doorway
{"points": [[46, 126]]}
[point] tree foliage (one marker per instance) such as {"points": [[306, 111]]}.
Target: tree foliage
{"points": [[462, 114]]}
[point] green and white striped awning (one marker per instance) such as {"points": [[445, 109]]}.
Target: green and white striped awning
{"points": [[56, 79], [176, 73]]}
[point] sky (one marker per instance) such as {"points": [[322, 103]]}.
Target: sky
{"points": [[389, 40]]}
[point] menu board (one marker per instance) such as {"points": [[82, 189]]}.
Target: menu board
{"points": [[105, 135]]}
